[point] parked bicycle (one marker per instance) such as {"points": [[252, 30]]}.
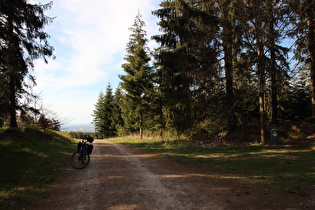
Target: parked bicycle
{"points": [[81, 158]]}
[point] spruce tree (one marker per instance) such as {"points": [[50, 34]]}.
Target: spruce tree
{"points": [[103, 113], [108, 117], [22, 41], [303, 22], [137, 82], [117, 120], [99, 114], [216, 57], [187, 61]]}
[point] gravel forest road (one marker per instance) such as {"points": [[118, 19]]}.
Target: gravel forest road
{"points": [[122, 177]]}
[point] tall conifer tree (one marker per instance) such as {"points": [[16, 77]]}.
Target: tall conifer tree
{"points": [[108, 117], [187, 60], [303, 22], [99, 113], [137, 82], [22, 40], [103, 113], [117, 120]]}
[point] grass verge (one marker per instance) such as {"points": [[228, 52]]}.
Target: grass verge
{"points": [[289, 167], [30, 160]]}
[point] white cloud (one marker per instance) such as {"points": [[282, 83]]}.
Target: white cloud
{"points": [[90, 38], [93, 32]]}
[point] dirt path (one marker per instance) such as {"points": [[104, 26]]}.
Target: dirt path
{"points": [[121, 177]]}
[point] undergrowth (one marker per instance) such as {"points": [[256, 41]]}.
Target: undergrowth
{"points": [[30, 160], [290, 167]]}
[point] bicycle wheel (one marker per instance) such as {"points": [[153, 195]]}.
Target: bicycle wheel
{"points": [[80, 159]]}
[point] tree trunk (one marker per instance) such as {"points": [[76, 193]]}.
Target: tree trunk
{"points": [[262, 84], [261, 71], [10, 65], [161, 118], [228, 67], [311, 51], [12, 102], [141, 125], [273, 73]]}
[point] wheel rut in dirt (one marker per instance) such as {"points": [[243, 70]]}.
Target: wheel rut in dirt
{"points": [[121, 177]]}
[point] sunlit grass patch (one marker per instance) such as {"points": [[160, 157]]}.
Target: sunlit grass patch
{"points": [[279, 166], [30, 158]]}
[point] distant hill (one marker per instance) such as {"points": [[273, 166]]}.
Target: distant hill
{"points": [[80, 127]]}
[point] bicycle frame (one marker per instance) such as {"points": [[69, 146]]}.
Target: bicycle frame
{"points": [[81, 158]]}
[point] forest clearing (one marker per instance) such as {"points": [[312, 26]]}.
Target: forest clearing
{"points": [[122, 177], [225, 176], [222, 108]]}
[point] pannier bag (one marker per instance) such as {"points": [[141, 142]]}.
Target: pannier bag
{"points": [[90, 148], [89, 139], [79, 145]]}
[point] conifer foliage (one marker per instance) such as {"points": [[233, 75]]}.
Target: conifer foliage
{"points": [[106, 115], [22, 40], [221, 66], [136, 82]]}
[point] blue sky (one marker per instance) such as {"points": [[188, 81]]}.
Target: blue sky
{"points": [[90, 40]]}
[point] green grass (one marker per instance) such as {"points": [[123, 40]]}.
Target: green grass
{"points": [[290, 167], [30, 160]]}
